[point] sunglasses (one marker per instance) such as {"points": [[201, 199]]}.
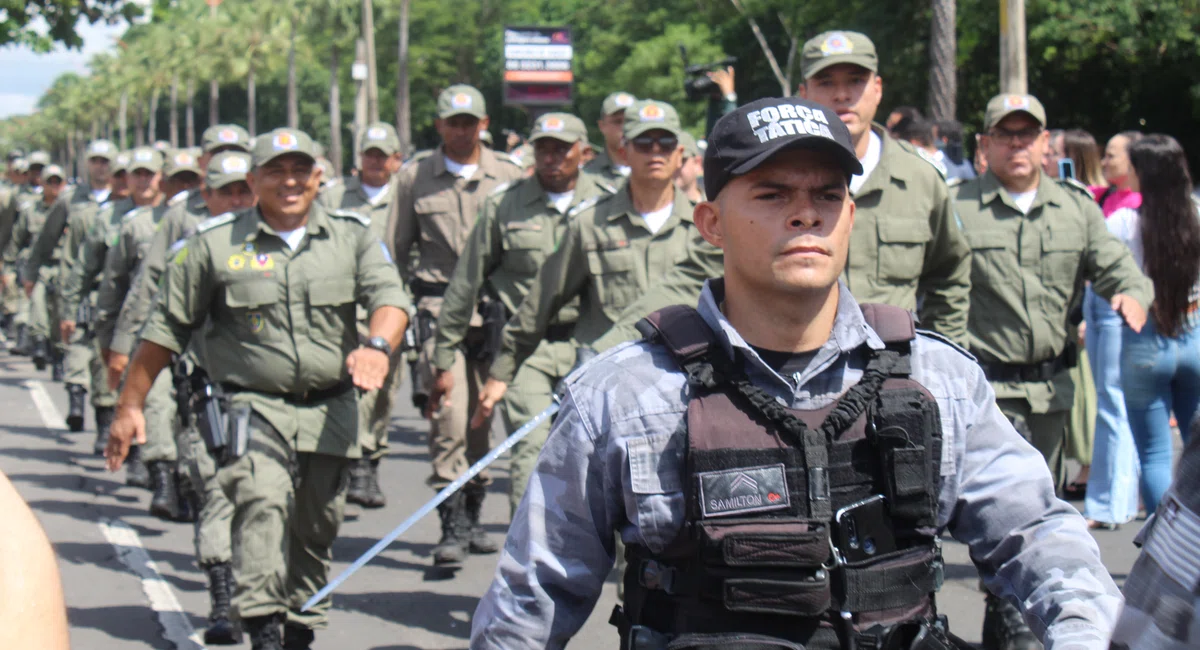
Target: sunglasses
{"points": [[645, 143]]}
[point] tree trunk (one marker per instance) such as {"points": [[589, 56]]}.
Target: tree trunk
{"points": [[943, 85], [293, 106], [360, 101], [214, 99], [251, 100], [108, 133], [152, 133], [123, 118], [139, 125], [174, 134], [72, 164], [368, 30], [335, 112], [1013, 76], [403, 114], [189, 114]]}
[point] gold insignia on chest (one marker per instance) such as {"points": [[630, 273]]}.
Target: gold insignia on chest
{"points": [[237, 262]]}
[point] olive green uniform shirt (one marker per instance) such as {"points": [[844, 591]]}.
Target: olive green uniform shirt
{"points": [[179, 221], [126, 250], [517, 229], [607, 258], [73, 223], [84, 273], [30, 221], [434, 211], [1029, 270], [349, 195], [603, 166], [9, 207], [282, 321]]}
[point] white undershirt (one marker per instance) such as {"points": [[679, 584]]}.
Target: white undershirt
{"points": [[655, 220], [373, 193], [869, 162], [622, 170], [458, 169], [561, 200], [101, 195], [1024, 200], [293, 237]]}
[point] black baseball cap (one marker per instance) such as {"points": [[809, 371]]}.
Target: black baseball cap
{"points": [[744, 139]]}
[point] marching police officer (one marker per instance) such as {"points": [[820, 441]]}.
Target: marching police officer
{"points": [[608, 163], [279, 284], [370, 194], [519, 227], [720, 449], [906, 248], [41, 283], [437, 201], [1034, 242]]}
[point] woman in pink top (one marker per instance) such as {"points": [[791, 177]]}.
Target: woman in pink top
{"points": [[1117, 173]]}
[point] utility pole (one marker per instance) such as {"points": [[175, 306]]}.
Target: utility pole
{"points": [[1013, 77], [358, 72], [403, 110], [943, 82], [368, 32]]}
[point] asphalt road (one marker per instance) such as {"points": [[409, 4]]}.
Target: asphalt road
{"points": [[121, 596]]}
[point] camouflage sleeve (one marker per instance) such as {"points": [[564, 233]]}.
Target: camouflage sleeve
{"points": [[680, 287], [562, 277], [475, 264], [946, 274]]}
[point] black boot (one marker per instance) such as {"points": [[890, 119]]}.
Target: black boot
{"points": [[57, 372], [358, 482], [451, 550], [78, 400], [136, 472], [165, 502], [297, 637], [374, 496], [1004, 628], [477, 538], [104, 420], [222, 630], [41, 352], [265, 632], [23, 342]]}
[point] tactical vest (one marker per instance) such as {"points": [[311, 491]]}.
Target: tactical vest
{"points": [[756, 564]]}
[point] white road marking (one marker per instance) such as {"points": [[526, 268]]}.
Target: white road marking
{"points": [[175, 624], [177, 628]]}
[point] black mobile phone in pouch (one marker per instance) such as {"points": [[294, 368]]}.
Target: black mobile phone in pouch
{"points": [[864, 530]]}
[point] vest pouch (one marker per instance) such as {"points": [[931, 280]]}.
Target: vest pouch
{"points": [[731, 641], [802, 597], [902, 579], [906, 428], [765, 543]]}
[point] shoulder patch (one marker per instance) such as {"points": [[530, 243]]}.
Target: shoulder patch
{"points": [[350, 214], [938, 337], [220, 220], [586, 204]]}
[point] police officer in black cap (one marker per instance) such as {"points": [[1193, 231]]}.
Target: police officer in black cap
{"points": [[781, 461]]}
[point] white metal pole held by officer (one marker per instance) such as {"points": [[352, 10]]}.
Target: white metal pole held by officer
{"points": [[446, 493]]}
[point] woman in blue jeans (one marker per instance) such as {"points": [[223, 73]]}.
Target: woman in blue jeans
{"points": [[1160, 365]]}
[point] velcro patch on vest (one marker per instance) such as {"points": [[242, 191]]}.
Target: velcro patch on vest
{"points": [[738, 491]]}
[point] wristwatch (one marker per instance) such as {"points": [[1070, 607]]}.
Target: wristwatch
{"points": [[381, 344]]}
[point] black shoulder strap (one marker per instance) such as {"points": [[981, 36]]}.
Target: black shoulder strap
{"points": [[1105, 194], [893, 324], [681, 329]]}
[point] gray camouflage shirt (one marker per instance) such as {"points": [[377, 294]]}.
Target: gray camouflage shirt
{"points": [[614, 461]]}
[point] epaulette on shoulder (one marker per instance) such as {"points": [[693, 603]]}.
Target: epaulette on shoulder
{"points": [[954, 182], [587, 204], [1076, 186], [943, 339], [132, 214], [352, 215], [179, 197], [214, 222], [500, 189], [606, 186], [508, 158]]}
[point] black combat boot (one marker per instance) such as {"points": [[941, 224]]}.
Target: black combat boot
{"points": [[136, 472], [77, 396], [41, 352], [358, 482], [451, 550], [23, 342], [57, 371], [297, 636], [477, 538], [375, 498], [104, 420], [265, 632], [165, 502], [1004, 628], [222, 629]]}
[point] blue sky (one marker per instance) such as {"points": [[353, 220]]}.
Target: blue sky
{"points": [[25, 74]]}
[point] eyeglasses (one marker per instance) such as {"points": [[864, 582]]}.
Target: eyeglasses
{"points": [[645, 143], [1016, 138]]}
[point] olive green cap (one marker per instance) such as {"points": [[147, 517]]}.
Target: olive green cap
{"points": [[280, 142], [225, 135], [20, 164], [120, 162], [832, 48], [163, 146], [559, 126], [101, 149], [647, 115], [1001, 106], [53, 170], [227, 167], [179, 161], [461, 99], [617, 101], [39, 158], [381, 136], [147, 158]]}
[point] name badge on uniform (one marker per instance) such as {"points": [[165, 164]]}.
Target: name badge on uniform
{"points": [[737, 491]]}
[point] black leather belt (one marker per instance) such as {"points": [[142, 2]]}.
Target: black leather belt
{"points": [[424, 289], [1033, 372], [559, 332], [305, 398]]}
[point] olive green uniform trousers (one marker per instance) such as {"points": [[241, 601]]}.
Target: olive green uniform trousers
{"points": [[160, 421], [1047, 432], [453, 445], [530, 393]]}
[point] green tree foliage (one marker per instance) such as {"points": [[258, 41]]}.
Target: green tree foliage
{"points": [[40, 24]]}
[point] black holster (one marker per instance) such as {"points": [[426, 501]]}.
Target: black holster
{"points": [[419, 331], [85, 314], [212, 413], [182, 382], [494, 318]]}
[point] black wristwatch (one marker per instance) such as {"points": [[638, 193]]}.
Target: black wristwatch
{"points": [[381, 344]]}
